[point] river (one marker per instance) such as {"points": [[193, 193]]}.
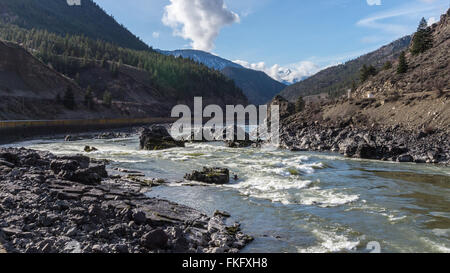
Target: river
{"points": [[297, 201]]}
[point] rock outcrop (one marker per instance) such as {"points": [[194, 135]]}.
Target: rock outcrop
{"points": [[157, 137], [390, 144], [286, 107]]}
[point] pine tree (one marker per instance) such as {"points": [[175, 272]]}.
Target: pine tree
{"points": [[69, 98], [77, 78], [387, 65], [299, 104], [354, 86], [366, 72], [422, 40], [402, 63], [423, 24], [89, 98], [107, 99]]}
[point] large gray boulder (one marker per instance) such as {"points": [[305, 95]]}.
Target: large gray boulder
{"points": [[157, 137], [210, 175]]}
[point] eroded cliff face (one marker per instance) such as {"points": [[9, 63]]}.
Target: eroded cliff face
{"points": [[28, 88], [23, 75]]}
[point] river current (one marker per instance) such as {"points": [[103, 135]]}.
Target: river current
{"points": [[296, 201]]}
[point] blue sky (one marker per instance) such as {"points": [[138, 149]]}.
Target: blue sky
{"points": [[274, 35]]}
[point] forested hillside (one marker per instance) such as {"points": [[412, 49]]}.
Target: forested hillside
{"points": [[177, 78], [58, 17]]}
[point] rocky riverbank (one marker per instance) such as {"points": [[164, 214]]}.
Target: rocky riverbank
{"points": [[357, 136], [51, 204], [387, 144]]}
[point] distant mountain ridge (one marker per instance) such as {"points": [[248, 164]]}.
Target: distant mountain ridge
{"points": [[336, 80], [208, 59], [256, 85]]}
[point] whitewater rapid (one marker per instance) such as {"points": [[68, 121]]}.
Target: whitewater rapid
{"points": [[296, 201]]}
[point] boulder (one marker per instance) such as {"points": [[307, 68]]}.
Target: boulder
{"points": [[139, 217], [405, 158], [59, 165], [84, 176], [239, 138], [158, 138], [155, 239], [82, 160], [210, 175], [98, 169], [348, 147], [366, 151]]}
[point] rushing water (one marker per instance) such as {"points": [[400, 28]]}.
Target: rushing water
{"points": [[298, 201]]}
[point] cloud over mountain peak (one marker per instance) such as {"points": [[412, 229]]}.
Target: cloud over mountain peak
{"points": [[198, 20]]}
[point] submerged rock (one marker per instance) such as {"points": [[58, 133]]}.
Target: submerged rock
{"points": [[210, 175], [158, 138], [89, 149]]}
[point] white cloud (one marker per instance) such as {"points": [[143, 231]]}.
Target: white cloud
{"points": [[288, 74], [432, 20], [374, 2], [156, 35], [383, 21], [198, 20]]}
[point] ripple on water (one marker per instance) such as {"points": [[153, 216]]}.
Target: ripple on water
{"points": [[330, 241]]}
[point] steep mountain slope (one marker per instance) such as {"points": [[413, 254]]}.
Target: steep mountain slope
{"points": [[208, 59], [142, 83], [28, 89], [58, 17], [427, 71], [257, 86], [407, 114], [338, 79]]}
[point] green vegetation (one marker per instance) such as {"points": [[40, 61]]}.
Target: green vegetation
{"points": [[387, 65], [175, 77], [366, 72], [299, 105], [337, 80], [293, 171], [89, 98], [402, 64], [422, 39], [107, 99], [69, 99], [56, 16]]}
